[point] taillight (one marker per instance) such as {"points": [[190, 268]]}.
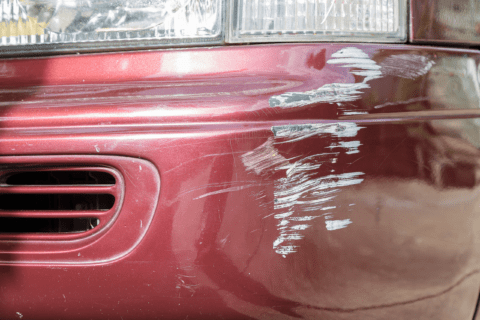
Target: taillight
{"points": [[52, 26], [317, 20]]}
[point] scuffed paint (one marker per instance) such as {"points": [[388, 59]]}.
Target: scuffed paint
{"points": [[186, 283], [337, 224], [351, 146], [304, 218], [355, 58], [311, 193], [329, 93], [409, 66], [263, 158], [301, 192], [293, 133], [335, 92]]}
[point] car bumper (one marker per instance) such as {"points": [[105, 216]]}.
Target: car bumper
{"points": [[308, 180]]}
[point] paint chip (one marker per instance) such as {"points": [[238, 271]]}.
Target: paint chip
{"points": [[337, 224]]}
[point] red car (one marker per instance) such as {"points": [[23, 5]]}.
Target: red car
{"points": [[239, 159]]}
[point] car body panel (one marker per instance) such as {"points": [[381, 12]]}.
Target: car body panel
{"points": [[333, 181]]}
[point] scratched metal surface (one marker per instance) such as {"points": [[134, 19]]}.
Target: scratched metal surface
{"points": [[298, 181]]}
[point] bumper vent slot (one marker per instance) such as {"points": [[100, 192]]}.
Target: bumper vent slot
{"points": [[74, 209], [59, 178], [56, 201], [51, 201], [47, 225]]}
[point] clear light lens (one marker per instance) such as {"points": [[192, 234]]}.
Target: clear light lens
{"points": [[26, 22], [317, 20]]}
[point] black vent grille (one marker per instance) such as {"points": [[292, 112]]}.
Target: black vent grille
{"points": [[55, 200], [41, 178], [48, 201], [47, 225]]}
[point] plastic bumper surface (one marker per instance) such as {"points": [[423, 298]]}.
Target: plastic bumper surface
{"points": [[332, 181]]}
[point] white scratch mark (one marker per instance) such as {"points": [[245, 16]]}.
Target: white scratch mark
{"points": [[184, 282], [224, 241], [350, 57], [141, 224], [97, 148], [302, 189], [263, 157], [353, 113], [292, 133], [302, 192], [20, 315], [350, 52], [413, 100], [285, 237], [284, 250], [306, 187], [329, 208], [351, 146], [300, 227], [329, 93], [337, 224], [237, 188], [304, 218], [409, 66]]}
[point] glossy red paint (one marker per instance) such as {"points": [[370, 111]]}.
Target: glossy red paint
{"points": [[298, 181]]}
